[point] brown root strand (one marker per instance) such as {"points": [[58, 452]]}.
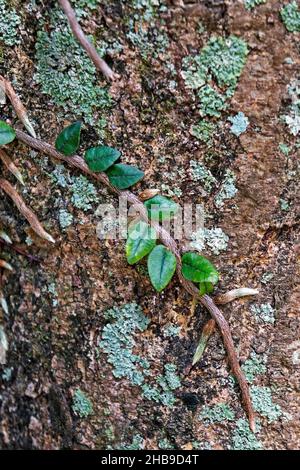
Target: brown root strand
{"points": [[11, 166], [24, 210], [17, 105], [99, 63], [169, 242]]}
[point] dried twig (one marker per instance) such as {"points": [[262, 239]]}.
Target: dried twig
{"points": [[11, 166], [5, 265], [169, 242], [235, 294], [99, 63], [17, 104], [205, 335], [25, 211]]}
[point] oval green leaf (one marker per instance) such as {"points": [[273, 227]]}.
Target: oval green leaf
{"points": [[7, 133], [160, 207], [68, 140], [161, 267], [141, 240], [123, 176], [101, 158], [196, 268], [205, 288]]}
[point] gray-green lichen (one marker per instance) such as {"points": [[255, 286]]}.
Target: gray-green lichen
{"points": [[292, 119], [243, 438], [9, 23], [290, 15], [65, 218], [284, 204], [228, 189], [163, 390], [66, 73], [118, 342], [203, 131], [217, 67], [263, 403], [254, 366], [285, 149], [165, 444], [137, 443], [200, 173], [239, 123], [217, 413], [214, 239], [170, 331], [250, 4], [82, 405], [263, 313]]}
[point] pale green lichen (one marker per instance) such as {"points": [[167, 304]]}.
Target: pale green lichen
{"points": [[66, 73], [137, 443], [293, 118], [254, 366], [82, 405], [285, 149], [9, 23], [221, 61], [239, 123], [170, 331], [203, 131], [65, 218], [263, 313], [284, 205], [163, 390], [250, 4], [215, 240], [199, 172], [84, 193], [165, 444], [217, 413], [118, 342], [290, 15], [263, 403], [243, 438], [267, 277], [228, 189]]}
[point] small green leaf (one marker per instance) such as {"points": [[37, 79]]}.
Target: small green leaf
{"points": [[205, 288], [141, 240], [123, 176], [198, 269], [7, 133], [101, 158], [68, 140], [160, 207], [161, 267]]}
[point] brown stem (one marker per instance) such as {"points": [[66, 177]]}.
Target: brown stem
{"points": [[25, 211], [169, 242], [100, 64]]}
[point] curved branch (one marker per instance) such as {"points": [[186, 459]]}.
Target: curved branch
{"points": [[169, 242], [99, 63]]}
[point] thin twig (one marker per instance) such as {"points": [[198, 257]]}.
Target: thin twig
{"points": [[169, 242], [25, 211], [17, 105], [235, 294], [99, 63], [11, 166]]}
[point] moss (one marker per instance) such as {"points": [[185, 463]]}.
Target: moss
{"points": [[243, 438], [290, 15], [217, 414], [66, 73], [118, 342], [9, 23], [200, 173], [250, 4], [263, 403], [263, 313], [82, 405], [228, 189], [254, 366], [65, 218], [239, 122]]}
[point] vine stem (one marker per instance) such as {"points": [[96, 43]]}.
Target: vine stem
{"points": [[99, 63], [77, 162]]}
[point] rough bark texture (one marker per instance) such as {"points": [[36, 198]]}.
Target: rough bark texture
{"points": [[57, 307]]}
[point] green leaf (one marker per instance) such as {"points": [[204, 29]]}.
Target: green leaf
{"points": [[7, 133], [205, 288], [101, 158], [123, 176], [160, 207], [68, 140], [141, 240], [161, 267], [198, 269]]}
